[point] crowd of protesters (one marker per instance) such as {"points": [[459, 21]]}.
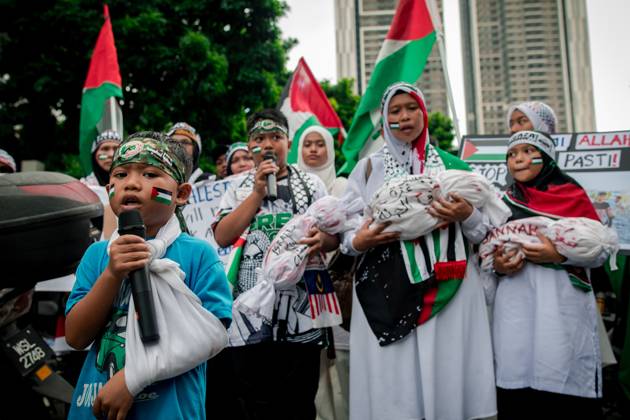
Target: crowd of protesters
{"points": [[520, 341]]}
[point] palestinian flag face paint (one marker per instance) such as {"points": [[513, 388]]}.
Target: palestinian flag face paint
{"points": [[112, 192], [537, 161], [161, 196]]}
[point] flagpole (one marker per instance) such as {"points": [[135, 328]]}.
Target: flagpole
{"points": [[437, 24]]}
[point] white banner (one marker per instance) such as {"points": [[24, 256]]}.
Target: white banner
{"points": [[201, 208]]}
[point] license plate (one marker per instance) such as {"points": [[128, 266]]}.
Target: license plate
{"points": [[26, 350]]}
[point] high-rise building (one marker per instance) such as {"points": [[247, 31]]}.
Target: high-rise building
{"points": [[361, 27], [519, 50]]}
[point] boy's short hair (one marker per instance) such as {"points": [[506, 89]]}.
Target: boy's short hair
{"points": [[174, 149], [267, 114]]}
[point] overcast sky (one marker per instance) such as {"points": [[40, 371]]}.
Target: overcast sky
{"points": [[312, 23]]}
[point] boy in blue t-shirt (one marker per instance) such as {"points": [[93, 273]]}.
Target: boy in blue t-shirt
{"points": [[149, 174]]}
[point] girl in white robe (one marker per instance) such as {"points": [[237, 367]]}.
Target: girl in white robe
{"points": [[320, 163], [418, 351], [544, 320]]}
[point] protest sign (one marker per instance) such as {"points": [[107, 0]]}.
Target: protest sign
{"points": [[202, 206], [600, 162]]}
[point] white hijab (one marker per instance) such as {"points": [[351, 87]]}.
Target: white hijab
{"points": [[325, 172], [540, 114]]}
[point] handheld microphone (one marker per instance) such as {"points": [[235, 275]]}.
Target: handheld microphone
{"points": [[130, 223], [272, 187]]}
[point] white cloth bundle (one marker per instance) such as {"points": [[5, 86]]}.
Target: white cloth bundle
{"points": [[285, 260], [581, 239], [189, 334], [403, 201], [477, 190], [511, 235]]}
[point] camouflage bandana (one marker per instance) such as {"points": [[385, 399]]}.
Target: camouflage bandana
{"points": [[267, 126], [150, 152]]}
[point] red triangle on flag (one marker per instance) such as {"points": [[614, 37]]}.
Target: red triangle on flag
{"points": [[469, 150]]}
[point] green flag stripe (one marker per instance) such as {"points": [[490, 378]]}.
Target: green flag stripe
{"points": [[580, 284], [92, 104], [446, 290], [413, 264], [486, 157], [232, 274], [436, 243], [452, 162]]}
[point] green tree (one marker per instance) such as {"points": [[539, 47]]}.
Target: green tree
{"points": [[441, 131], [207, 62], [342, 99], [345, 103]]}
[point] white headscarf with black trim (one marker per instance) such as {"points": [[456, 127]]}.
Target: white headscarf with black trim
{"points": [[409, 156]]}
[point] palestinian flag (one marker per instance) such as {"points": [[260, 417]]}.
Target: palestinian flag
{"points": [[402, 58], [484, 149], [161, 196], [304, 103], [103, 82]]}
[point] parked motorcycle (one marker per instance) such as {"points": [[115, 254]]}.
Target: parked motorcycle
{"points": [[45, 227]]}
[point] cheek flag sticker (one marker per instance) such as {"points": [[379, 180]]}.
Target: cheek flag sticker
{"points": [[161, 196], [537, 161], [112, 193]]}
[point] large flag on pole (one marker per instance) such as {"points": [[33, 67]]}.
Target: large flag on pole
{"points": [[102, 85], [402, 57], [304, 103]]}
